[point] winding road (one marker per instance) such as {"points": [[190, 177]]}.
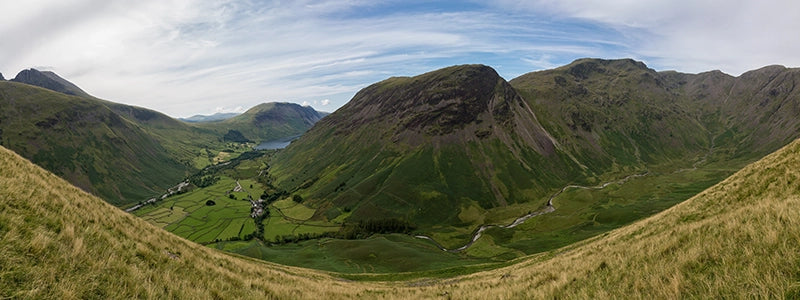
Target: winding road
{"points": [[547, 209]]}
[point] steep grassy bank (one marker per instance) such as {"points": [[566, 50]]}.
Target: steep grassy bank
{"points": [[87, 143]]}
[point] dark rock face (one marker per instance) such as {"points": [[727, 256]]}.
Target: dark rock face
{"points": [[436, 103], [1, 77], [34, 77], [50, 81]]}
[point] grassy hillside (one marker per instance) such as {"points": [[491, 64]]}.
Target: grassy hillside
{"points": [[87, 143], [614, 114], [619, 112], [124, 154], [192, 146], [737, 239], [456, 148], [437, 150], [268, 121]]}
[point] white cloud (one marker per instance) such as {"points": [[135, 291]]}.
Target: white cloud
{"points": [[325, 102], [305, 103], [692, 35], [184, 57]]}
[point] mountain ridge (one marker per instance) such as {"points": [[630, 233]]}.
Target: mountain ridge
{"points": [[269, 121], [421, 149], [209, 118], [411, 136], [122, 153], [49, 80]]}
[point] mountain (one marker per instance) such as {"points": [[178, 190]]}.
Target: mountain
{"points": [[268, 121], [734, 240], [1, 77], [620, 111], [50, 81], [191, 145], [86, 142], [613, 114], [209, 118], [460, 147], [425, 148], [122, 153]]}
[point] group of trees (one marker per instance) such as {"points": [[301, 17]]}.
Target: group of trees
{"points": [[365, 228], [361, 230], [269, 198], [200, 180]]}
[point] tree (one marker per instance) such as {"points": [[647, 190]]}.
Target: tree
{"points": [[297, 198]]}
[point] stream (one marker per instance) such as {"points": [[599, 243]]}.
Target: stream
{"points": [[547, 209]]}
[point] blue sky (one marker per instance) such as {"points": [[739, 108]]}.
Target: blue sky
{"points": [[186, 57]]}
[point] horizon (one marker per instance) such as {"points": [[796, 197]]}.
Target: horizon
{"points": [[185, 58]]}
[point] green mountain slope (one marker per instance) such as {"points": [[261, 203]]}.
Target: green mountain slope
{"points": [[458, 148], [122, 153], [615, 113], [620, 110], [268, 121], [737, 239], [193, 146], [87, 143], [425, 148]]}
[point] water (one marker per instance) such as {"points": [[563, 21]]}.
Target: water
{"points": [[277, 144]]}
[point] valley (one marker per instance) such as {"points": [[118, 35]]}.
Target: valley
{"points": [[745, 221], [312, 201], [122, 153], [446, 174]]}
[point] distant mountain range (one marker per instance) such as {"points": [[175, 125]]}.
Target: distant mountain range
{"points": [[124, 154], [209, 118]]}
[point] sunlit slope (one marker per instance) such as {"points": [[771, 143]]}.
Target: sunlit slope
{"points": [[425, 148], [86, 142], [60, 242], [739, 238], [268, 121]]}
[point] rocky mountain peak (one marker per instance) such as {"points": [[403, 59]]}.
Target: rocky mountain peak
{"points": [[434, 103], [50, 81]]}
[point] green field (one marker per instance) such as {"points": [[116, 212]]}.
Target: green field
{"points": [[583, 213], [580, 214], [378, 254], [188, 216]]}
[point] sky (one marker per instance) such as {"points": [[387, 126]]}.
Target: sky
{"points": [[187, 57]]}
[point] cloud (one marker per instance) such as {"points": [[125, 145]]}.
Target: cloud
{"points": [[184, 57], [690, 35], [325, 102]]}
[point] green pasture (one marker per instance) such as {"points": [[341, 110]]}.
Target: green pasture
{"points": [[583, 213], [378, 254], [188, 216]]}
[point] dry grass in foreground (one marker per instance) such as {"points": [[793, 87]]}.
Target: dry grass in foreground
{"points": [[740, 238]]}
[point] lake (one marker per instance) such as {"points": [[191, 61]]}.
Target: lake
{"points": [[277, 143]]}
